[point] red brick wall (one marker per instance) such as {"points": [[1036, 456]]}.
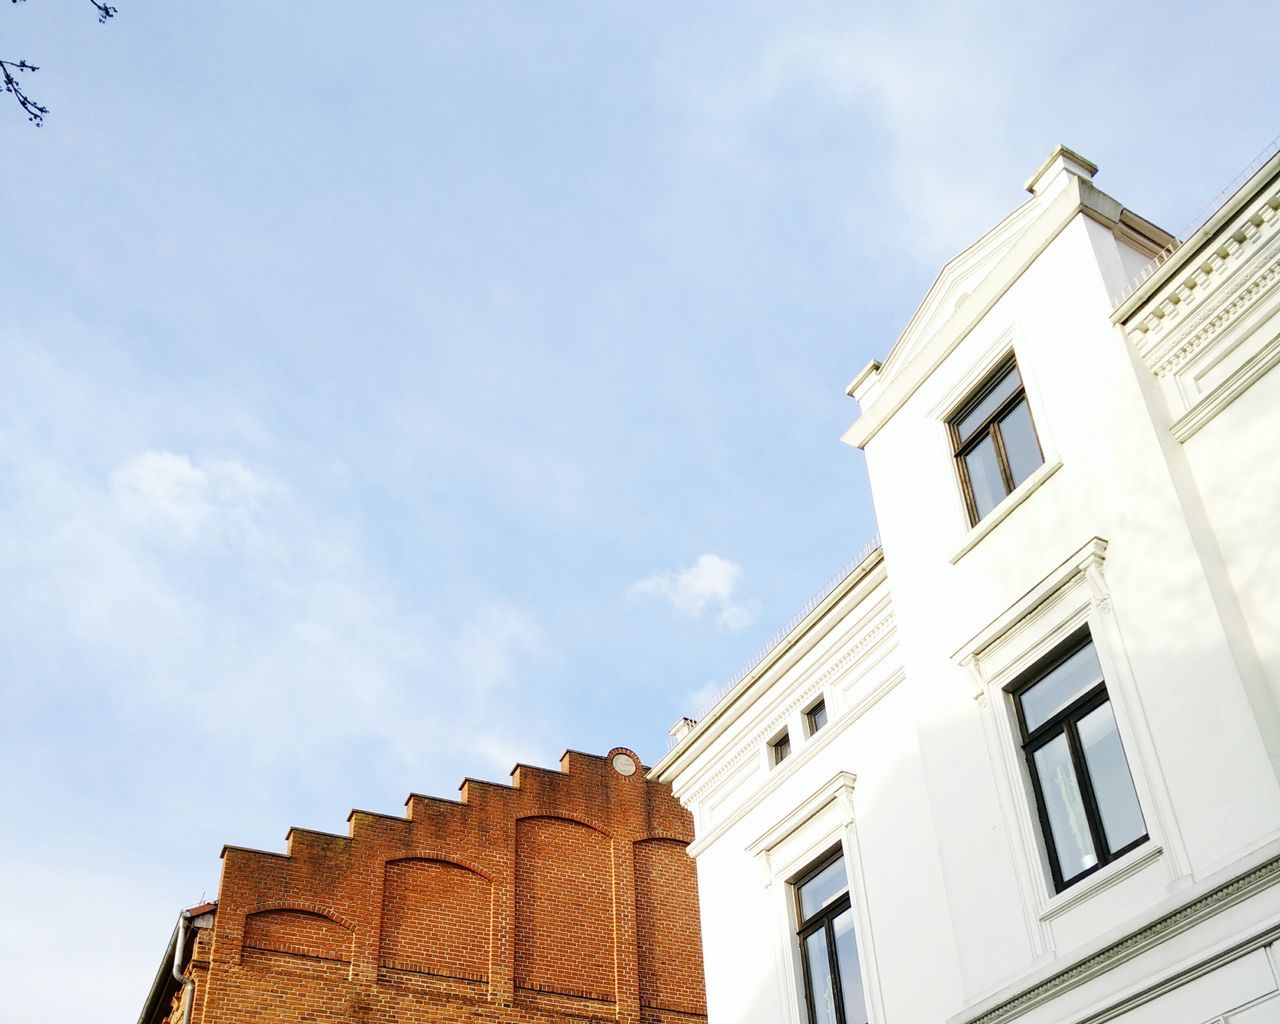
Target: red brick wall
{"points": [[566, 896], [297, 932], [564, 908], [435, 919], [670, 942]]}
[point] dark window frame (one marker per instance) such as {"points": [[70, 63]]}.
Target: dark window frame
{"points": [[989, 427], [818, 706], [780, 748], [822, 919], [1065, 721]]}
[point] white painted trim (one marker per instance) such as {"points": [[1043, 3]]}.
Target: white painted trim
{"points": [[1241, 380], [1192, 904], [994, 354], [1072, 595], [800, 756], [1101, 880], [1000, 629], [869, 633], [836, 793], [839, 785], [1011, 501], [856, 623]]}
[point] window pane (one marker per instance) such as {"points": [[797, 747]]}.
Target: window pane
{"points": [[1060, 686], [1020, 444], [817, 716], [1109, 775], [1064, 808], [983, 410], [781, 749], [855, 1003], [984, 476], [822, 888], [821, 985]]}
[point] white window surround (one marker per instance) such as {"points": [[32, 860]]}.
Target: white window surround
{"points": [[815, 826], [841, 719], [1001, 512], [1071, 596], [741, 773], [943, 411]]}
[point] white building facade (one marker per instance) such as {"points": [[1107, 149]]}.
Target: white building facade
{"points": [[1023, 762]]}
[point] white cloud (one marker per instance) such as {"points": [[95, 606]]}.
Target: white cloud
{"points": [[172, 498], [207, 590], [711, 583], [921, 107]]}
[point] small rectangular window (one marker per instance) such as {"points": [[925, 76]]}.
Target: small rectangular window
{"points": [[816, 716], [1087, 804], [994, 440], [828, 947], [780, 749]]}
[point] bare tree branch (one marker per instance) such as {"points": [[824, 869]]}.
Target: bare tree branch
{"points": [[34, 111]]}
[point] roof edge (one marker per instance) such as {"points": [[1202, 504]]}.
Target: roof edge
{"points": [[711, 724], [1180, 254]]}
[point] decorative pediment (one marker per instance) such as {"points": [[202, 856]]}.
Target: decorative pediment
{"points": [[956, 281], [968, 284]]}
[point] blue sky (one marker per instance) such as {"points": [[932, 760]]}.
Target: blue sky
{"points": [[393, 394]]}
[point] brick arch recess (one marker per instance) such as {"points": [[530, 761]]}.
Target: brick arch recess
{"points": [[565, 926], [669, 940], [435, 919]]}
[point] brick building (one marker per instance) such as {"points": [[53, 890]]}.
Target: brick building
{"points": [[567, 895]]}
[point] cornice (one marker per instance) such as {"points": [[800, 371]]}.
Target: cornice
{"points": [[837, 788], [795, 764], [1213, 321], [1193, 307], [1083, 563], [857, 587], [1134, 944], [844, 661], [1178, 256]]}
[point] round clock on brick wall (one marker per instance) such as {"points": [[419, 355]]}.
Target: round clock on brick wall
{"points": [[623, 764]]}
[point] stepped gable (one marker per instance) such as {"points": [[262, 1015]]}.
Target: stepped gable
{"points": [[566, 895]]}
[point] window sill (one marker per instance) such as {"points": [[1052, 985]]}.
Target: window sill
{"points": [[1115, 872], [1001, 512]]}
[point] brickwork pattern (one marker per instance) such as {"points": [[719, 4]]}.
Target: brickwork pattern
{"points": [[543, 902], [670, 941], [435, 919], [297, 933], [564, 908]]}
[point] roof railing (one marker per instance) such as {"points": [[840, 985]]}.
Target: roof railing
{"points": [[825, 591], [1200, 221]]}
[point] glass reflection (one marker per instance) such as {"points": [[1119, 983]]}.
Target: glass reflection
{"points": [[822, 889], [1060, 687], [1064, 808], [821, 987], [985, 481], [988, 405], [1020, 445], [1113, 791], [855, 1004]]}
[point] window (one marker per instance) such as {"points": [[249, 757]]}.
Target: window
{"points": [[994, 440], [816, 717], [1089, 813], [828, 950], [780, 749]]}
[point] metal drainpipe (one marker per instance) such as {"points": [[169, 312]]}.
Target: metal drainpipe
{"points": [[188, 984]]}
